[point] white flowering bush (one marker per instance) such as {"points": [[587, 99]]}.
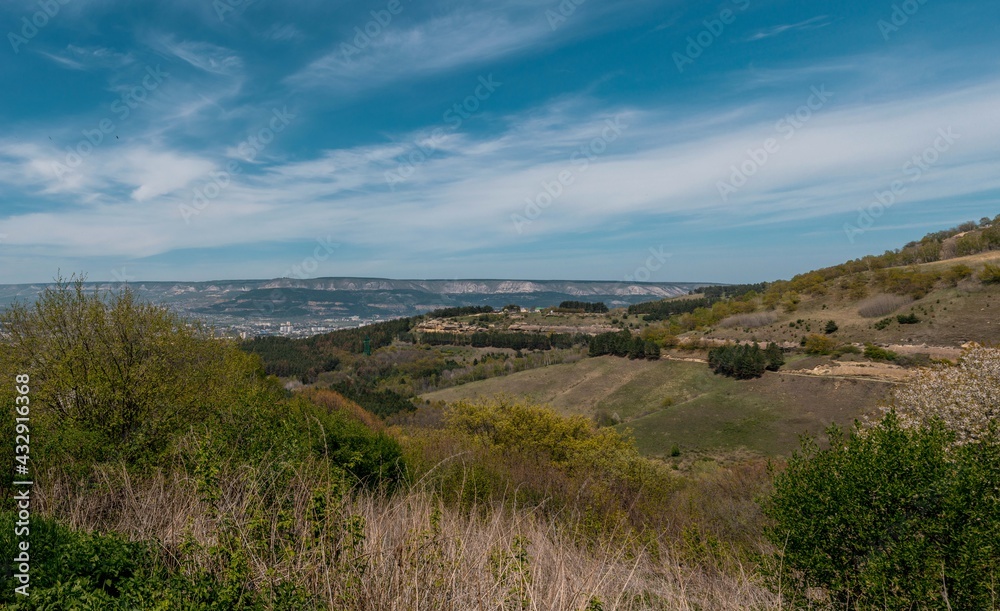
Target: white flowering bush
{"points": [[965, 396]]}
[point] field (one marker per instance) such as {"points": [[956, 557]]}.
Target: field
{"points": [[669, 402]]}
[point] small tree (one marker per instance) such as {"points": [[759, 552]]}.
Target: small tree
{"points": [[831, 327], [775, 356]]}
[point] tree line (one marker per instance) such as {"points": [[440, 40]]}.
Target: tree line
{"points": [[731, 291], [460, 311], [584, 306], [623, 343], [745, 361], [663, 310]]}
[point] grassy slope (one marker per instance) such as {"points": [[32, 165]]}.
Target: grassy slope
{"points": [[709, 413], [949, 316]]}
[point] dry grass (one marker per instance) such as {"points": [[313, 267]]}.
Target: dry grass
{"points": [[882, 305], [974, 261], [404, 551], [749, 321]]}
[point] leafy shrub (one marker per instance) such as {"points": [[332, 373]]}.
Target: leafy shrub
{"points": [[846, 349], [830, 328], [78, 570], [790, 301], [907, 319], [113, 377], [891, 518], [877, 353], [819, 344], [512, 451], [990, 274], [883, 324], [957, 273], [911, 281]]}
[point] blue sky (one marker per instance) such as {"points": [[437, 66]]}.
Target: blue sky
{"points": [[729, 141]]}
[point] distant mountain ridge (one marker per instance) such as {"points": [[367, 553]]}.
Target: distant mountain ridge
{"points": [[580, 288], [325, 299]]}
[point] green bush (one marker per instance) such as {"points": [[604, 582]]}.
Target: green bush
{"points": [[819, 344], [78, 570], [891, 518], [883, 324], [846, 349], [502, 451], [113, 377], [831, 327], [877, 353], [990, 274], [907, 319], [956, 273]]}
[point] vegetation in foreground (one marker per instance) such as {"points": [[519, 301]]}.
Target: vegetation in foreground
{"points": [[172, 473]]}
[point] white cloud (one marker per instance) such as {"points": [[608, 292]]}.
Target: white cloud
{"points": [[814, 23], [204, 56], [462, 196], [400, 52], [284, 32]]}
